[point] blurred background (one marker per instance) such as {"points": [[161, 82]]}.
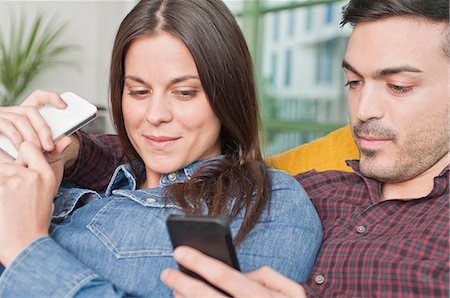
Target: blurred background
{"points": [[297, 47]]}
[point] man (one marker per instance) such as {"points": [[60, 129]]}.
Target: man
{"points": [[386, 225]]}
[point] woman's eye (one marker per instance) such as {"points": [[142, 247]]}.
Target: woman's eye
{"points": [[185, 94], [353, 84], [138, 93], [400, 89]]}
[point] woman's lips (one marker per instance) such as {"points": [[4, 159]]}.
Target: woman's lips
{"points": [[161, 142]]}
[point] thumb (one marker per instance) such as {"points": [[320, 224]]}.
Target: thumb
{"points": [[57, 153]]}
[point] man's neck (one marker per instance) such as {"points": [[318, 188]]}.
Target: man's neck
{"points": [[416, 187]]}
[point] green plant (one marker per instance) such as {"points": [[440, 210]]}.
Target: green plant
{"points": [[27, 54]]}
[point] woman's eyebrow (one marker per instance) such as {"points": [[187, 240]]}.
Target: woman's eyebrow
{"points": [[184, 78], [173, 81], [136, 79]]}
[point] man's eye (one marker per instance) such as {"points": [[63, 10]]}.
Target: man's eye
{"points": [[400, 89], [353, 84]]}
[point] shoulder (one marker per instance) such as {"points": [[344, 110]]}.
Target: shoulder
{"points": [[282, 180], [287, 190], [290, 204], [315, 183]]}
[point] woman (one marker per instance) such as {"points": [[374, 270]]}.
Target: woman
{"points": [[184, 104]]}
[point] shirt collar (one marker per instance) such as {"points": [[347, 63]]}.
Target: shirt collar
{"points": [[125, 178], [375, 186]]}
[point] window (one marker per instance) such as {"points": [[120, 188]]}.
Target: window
{"points": [[288, 68], [329, 13], [309, 15], [324, 63], [273, 69], [291, 26], [276, 26], [294, 57]]}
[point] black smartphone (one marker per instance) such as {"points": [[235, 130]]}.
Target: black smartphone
{"points": [[208, 234]]}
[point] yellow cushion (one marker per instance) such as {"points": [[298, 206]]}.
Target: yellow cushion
{"points": [[327, 153]]}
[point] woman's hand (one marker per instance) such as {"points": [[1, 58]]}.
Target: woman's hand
{"points": [[25, 123], [27, 189], [264, 282]]}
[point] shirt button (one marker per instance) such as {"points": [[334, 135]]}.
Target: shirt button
{"points": [[64, 212], [172, 176], [150, 200], [319, 279], [361, 229]]}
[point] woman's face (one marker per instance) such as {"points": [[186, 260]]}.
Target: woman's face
{"points": [[167, 115]]}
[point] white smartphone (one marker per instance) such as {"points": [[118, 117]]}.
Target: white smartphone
{"points": [[78, 113]]}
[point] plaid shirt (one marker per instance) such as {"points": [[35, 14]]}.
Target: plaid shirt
{"points": [[98, 157], [371, 248], [375, 248]]}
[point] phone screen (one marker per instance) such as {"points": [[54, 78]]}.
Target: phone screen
{"points": [[208, 234]]}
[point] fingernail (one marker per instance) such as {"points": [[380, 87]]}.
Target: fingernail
{"points": [[49, 144], [179, 253], [163, 275]]}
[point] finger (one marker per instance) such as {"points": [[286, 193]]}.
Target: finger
{"points": [[62, 144], [177, 295], [9, 130], [57, 153], [40, 98], [187, 286], [27, 122], [217, 273], [277, 282]]}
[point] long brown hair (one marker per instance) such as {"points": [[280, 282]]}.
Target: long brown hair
{"points": [[215, 41]]}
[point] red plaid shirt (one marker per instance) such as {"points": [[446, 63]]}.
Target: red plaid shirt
{"points": [[371, 248], [98, 157], [374, 248]]}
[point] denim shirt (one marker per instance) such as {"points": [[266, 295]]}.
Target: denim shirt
{"points": [[116, 243]]}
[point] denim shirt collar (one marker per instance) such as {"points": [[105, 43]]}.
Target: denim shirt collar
{"points": [[124, 178]]}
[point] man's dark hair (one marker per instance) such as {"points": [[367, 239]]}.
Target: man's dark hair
{"points": [[357, 11]]}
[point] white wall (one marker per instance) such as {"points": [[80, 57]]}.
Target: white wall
{"points": [[91, 25]]}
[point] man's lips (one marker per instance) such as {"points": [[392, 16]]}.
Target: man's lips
{"points": [[372, 142], [372, 138]]}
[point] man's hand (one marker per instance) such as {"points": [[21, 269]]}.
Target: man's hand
{"points": [[27, 189], [264, 282]]}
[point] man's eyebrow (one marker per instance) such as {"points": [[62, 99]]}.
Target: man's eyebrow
{"points": [[385, 71], [397, 69], [348, 66]]}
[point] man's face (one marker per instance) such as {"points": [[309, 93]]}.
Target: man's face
{"points": [[398, 96]]}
